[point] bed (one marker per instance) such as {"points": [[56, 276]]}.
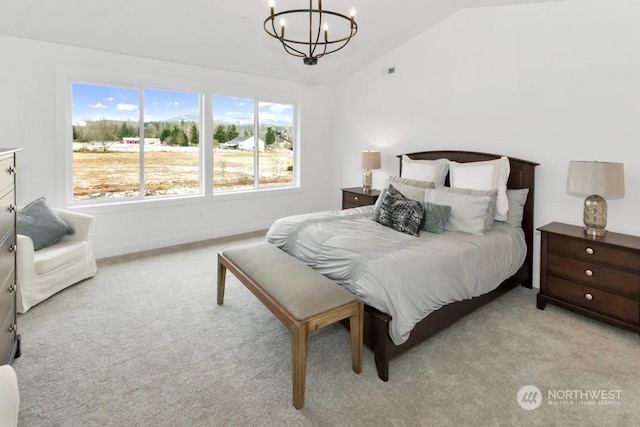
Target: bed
{"points": [[410, 285]]}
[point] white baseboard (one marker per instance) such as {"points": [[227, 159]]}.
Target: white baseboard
{"points": [[145, 245]]}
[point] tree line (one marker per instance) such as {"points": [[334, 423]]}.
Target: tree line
{"points": [[225, 133], [170, 133]]}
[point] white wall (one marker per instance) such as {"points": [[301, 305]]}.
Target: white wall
{"points": [[30, 115], [550, 83]]}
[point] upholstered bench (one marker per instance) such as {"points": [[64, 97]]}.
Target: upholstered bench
{"points": [[303, 299]]}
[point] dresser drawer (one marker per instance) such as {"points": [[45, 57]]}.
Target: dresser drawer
{"points": [[7, 292], [7, 335], [7, 258], [7, 213], [353, 200], [6, 176], [594, 299], [593, 251], [358, 199], [600, 276]]}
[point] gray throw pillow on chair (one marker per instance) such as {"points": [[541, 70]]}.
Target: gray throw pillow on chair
{"points": [[41, 224]]}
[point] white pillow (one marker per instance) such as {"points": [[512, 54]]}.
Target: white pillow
{"points": [[468, 213], [487, 175], [425, 170]]}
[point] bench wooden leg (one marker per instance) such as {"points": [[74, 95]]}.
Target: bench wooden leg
{"points": [[355, 326], [222, 275], [299, 368]]}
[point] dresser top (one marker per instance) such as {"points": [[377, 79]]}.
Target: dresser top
{"points": [[9, 150], [611, 238]]}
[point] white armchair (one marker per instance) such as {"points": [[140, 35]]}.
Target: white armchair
{"points": [[47, 271], [9, 397]]}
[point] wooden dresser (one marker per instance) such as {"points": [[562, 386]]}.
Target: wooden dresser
{"points": [[356, 197], [9, 338], [598, 277]]}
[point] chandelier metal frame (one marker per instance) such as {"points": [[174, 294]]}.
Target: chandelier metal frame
{"points": [[316, 45]]}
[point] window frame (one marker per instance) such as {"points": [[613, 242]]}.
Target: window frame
{"points": [[66, 76], [256, 153]]}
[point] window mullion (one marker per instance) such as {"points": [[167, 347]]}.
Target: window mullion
{"points": [[141, 136], [206, 144], [256, 144]]}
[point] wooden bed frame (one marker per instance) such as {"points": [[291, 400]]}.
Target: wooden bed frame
{"points": [[376, 326]]}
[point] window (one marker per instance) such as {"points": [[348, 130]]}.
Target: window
{"points": [[105, 142], [108, 141], [172, 143], [140, 143], [250, 153]]}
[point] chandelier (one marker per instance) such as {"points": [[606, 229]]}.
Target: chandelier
{"points": [[319, 42]]}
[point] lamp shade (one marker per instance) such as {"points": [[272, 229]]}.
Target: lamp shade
{"points": [[604, 179], [370, 160]]}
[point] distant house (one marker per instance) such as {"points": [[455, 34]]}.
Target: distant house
{"points": [[248, 144], [234, 143], [136, 140]]}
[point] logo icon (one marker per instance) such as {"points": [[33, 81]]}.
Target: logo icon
{"points": [[529, 397]]}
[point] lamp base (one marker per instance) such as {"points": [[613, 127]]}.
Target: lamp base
{"points": [[595, 216], [367, 180], [594, 232]]}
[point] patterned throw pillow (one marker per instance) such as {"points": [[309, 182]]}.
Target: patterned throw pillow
{"points": [[436, 217], [400, 213]]}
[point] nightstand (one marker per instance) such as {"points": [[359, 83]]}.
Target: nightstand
{"points": [[597, 277], [356, 197]]}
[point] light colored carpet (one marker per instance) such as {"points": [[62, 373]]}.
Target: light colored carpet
{"points": [[144, 344]]}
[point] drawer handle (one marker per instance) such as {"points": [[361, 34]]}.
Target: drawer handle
{"points": [[11, 170], [588, 272], [12, 208], [12, 328], [589, 251], [355, 198], [12, 288], [12, 249], [588, 297]]}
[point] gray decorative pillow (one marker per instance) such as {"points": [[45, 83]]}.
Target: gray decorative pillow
{"points": [[488, 223], [516, 199], [400, 213], [410, 188], [468, 212], [436, 217], [40, 223]]}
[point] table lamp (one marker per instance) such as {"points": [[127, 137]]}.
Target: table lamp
{"points": [[369, 160], [596, 180]]}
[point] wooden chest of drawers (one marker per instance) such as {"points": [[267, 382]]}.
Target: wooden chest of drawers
{"points": [[356, 197], [598, 277], [9, 338]]}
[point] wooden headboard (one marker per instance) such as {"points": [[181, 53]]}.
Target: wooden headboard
{"points": [[522, 176]]}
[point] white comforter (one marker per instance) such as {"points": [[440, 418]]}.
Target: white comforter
{"points": [[404, 276]]}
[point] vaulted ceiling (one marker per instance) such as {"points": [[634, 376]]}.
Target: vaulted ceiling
{"points": [[225, 35]]}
